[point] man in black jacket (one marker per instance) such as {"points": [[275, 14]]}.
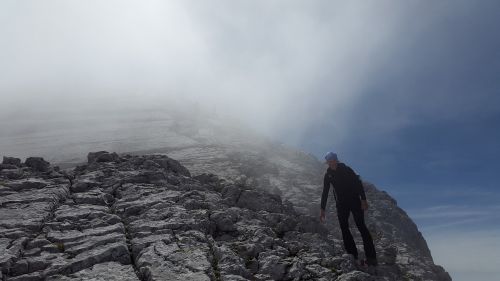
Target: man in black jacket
{"points": [[350, 198]]}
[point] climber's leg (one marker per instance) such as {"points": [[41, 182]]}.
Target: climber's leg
{"points": [[365, 234], [349, 245]]}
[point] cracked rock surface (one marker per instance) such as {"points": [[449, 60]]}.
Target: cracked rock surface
{"points": [[145, 217]]}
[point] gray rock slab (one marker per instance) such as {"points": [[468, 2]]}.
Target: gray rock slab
{"points": [[108, 271], [11, 161], [24, 216], [73, 235], [37, 164]]}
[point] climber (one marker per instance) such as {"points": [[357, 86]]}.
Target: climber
{"points": [[350, 198]]}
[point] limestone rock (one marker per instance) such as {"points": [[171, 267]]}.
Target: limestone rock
{"points": [[173, 165], [256, 201], [37, 164], [109, 271], [102, 156], [146, 218], [7, 167], [11, 161], [355, 276]]}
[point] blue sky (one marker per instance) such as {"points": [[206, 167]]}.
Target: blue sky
{"points": [[407, 92], [442, 161], [441, 92]]}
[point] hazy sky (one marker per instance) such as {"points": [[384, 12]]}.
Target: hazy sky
{"points": [[278, 59], [407, 92]]}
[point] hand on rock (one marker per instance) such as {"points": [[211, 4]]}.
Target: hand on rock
{"points": [[364, 205], [322, 216]]}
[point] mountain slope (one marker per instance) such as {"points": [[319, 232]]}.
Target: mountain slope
{"points": [[297, 177], [205, 143], [147, 218]]}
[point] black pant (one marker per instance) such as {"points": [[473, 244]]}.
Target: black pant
{"points": [[349, 245]]}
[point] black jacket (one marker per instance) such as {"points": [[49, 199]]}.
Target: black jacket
{"points": [[347, 187]]}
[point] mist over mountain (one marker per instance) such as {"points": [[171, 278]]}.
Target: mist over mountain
{"points": [[273, 179], [256, 92]]}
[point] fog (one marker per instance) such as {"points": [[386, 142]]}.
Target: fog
{"points": [[278, 66], [407, 90]]}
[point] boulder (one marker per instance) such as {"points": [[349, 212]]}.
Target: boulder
{"points": [[356, 276], [7, 167], [311, 224], [11, 161], [102, 156], [174, 166], [256, 201], [224, 221], [109, 271], [273, 266], [83, 186], [38, 164]]}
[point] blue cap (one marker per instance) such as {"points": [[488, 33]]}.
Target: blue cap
{"points": [[330, 156]]}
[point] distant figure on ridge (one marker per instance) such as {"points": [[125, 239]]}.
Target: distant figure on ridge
{"points": [[350, 198]]}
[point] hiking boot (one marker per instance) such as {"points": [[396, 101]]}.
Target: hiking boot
{"points": [[360, 262]]}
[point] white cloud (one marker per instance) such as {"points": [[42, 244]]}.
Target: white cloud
{"points": [[464, 239], [467, 254], [280, 66], [446, 217], [456, 211]]}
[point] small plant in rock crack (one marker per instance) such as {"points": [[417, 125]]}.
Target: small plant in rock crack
{"points": [[215, 266], [60, 246], [377, 235], [248, 261], [410, 277]]}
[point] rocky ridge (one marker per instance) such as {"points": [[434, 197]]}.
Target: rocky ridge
{"points": [[147, 218], [297, 177]]}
